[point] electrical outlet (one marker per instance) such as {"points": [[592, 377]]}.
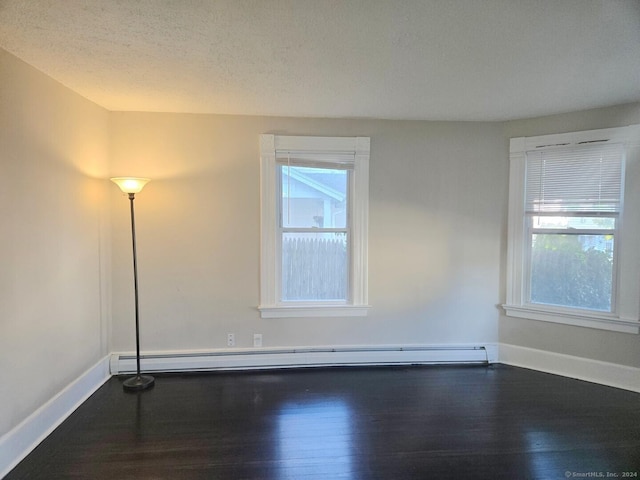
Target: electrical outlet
{"points": [[231, 340], [257, 339]]}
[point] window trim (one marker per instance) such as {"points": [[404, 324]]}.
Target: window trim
{"points": [[626, 305], [330, 150]]}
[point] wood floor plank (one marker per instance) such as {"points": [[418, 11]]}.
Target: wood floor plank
{"points": [[352, 423]]}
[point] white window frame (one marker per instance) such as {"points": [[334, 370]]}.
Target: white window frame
{"points": [[625, 316], [355, 150]]}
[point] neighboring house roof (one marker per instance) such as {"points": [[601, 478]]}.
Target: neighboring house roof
{"points": [[326, 183]]}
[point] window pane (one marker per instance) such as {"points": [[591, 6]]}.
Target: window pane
{"points": [[584, 223], [572, 270], [314, 266], [313, 197]]}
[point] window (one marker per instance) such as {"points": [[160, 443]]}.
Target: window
{"points": [[572, 205], [314, 226], [571, 255]]}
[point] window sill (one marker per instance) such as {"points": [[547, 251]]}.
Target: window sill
{"points": [[291, 311], [576, 318]]}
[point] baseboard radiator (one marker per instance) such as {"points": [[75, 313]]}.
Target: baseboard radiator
{"points": [[270, 358]]}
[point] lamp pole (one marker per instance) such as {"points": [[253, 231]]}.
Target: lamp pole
{"points": [[139, 382], [131, 186]]}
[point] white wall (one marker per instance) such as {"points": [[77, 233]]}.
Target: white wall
{"points": [[437, 211], [618, 348], [53, 154]]}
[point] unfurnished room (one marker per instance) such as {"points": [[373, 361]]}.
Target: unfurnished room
{"points": [[319, 239]]}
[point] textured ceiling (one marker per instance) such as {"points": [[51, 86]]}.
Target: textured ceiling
{"points": [[400, 59]]}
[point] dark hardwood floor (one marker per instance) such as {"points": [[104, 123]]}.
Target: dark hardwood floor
{"points": [[399, 423]]}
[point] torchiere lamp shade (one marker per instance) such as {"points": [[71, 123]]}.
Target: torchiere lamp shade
{"points": [[130, 184]]}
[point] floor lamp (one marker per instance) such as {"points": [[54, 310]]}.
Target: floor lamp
{"points": [[131, 186]]}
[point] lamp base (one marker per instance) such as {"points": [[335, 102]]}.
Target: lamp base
{"points": [[137, 383]]}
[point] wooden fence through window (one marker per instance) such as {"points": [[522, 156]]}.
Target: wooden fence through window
{"points": [[314, 269]]}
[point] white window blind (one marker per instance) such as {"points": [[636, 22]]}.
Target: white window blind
{"points": [[299, 161], [583, 180], [326, 160]]}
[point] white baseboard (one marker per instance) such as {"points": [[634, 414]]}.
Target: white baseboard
{"points": [[595, 371], [262, 358], [21, 440]]}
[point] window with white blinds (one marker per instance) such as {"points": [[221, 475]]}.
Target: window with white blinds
{"points": [[586, 180], [574, 231], [572, 202]]}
